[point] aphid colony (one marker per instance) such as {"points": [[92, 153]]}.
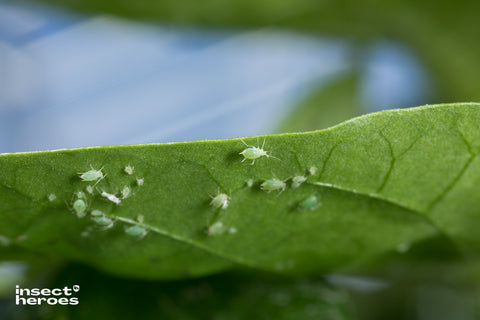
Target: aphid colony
{"points": [[137, 229], [221, 200], [81, 203]]}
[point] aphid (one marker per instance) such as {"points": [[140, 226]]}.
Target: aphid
{"points": [[249, 183], [308, 204], [52, 197], [128, 170], [298, 180], [90, 189], [140, 218], [312, 170], [216, 229], [111, 197], [136, 231], [220, 201], [92, 175], [80, 208], [253, 153], [103, 222], [81, 195], [232, 230], [273, 184], [126, 191], [96, 213], [140, 182]]}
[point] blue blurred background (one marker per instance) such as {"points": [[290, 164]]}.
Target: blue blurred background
{"points": [[86, 80]]}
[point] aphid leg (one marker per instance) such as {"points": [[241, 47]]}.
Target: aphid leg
{"points": [[103, 177]]}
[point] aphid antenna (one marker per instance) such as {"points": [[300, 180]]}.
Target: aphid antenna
{"points": [[246, 145], [270, 156]]}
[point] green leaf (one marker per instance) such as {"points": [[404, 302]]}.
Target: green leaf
{"points": [[383, 183], [225, 296]]}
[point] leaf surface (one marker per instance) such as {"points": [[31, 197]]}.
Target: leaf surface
{"points": [[383, 182]]}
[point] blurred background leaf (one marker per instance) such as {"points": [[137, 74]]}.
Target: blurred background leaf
{"points": [[225, 296]]}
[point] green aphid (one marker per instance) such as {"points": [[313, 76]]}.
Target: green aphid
{"points": [[136, 231], [92, 175], [220, 201], [80, 207], [129, 170], [80, 195], [253, 153], [298, 180], [273, 185], [126, 191], [309, 204], [96, 213], [216, 229], [90, 189], [103, 222], [52, 197]]}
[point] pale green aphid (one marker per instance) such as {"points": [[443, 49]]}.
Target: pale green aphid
{"points": [[216, 229], [136, 231], [52, 197], [140, 218], [80, 208], [308, 204], [90, 189], [92, 175], [129, 170], [126, 191], [312, 170], [253, 153], [273, 184], [81, 195], [103, 221], [249, 183], [96, 213], [298, 180], [220, 201], [140, 182]]}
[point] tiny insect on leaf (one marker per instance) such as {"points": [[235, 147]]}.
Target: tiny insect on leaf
{"points": [[220, 201], [310, 203], [136, 231], [273, 184], [216, 229], [103, 222], [79, 206]]}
